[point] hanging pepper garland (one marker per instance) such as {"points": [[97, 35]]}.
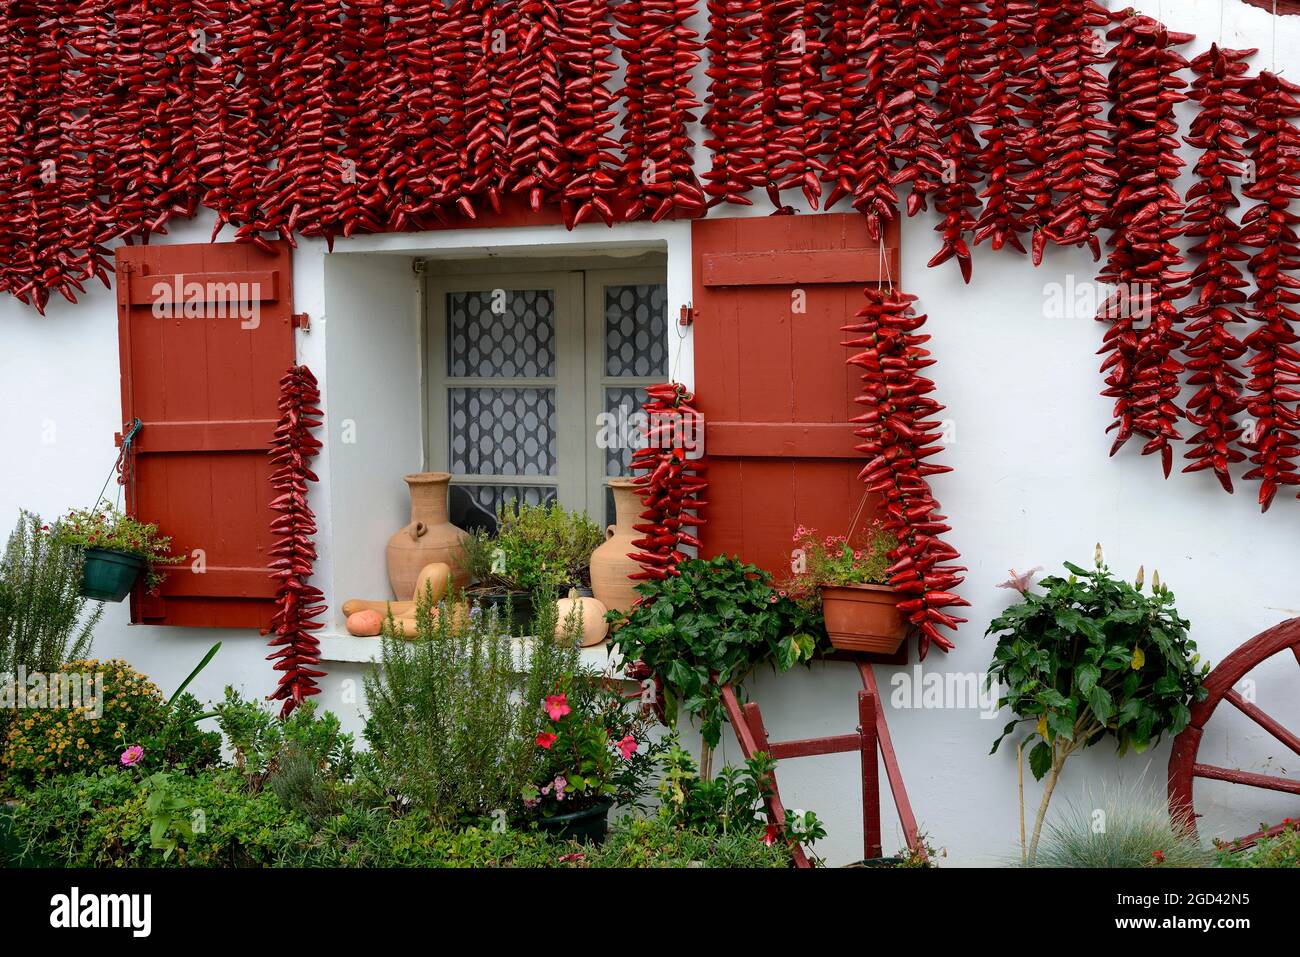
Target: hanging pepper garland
{"points": [[898, 435], [1269, 228], [671, 485], [1142, 370], [1217, 131], [297, 650]]}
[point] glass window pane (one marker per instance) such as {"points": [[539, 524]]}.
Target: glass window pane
{"points": [[502, 431], [624, 406], [636, 330], [501, 333], [475, 506]]}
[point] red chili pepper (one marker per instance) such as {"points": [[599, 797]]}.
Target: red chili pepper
{"points": [[897, 430], [294, 552]]}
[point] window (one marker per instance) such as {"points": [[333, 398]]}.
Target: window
{"points": [[534, 380]]}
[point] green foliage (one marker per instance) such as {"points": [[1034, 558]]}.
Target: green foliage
{"points": [[41, 609], [213, 820], [47, 741], [535, 547], [833, 560], [1281, 850], [713, 624], [106, 527], [1094, 656], [1128, 827], [453, 725]]}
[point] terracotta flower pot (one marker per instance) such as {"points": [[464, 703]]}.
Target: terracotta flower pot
{"points": [[610, 563], [429, 537], [863, 618]]}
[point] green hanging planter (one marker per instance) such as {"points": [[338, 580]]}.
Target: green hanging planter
{"points": [[109, 575]]}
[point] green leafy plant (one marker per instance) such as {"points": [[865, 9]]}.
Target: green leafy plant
{"points": [[452, 724], [713, 624], [535, 547], [1093, 656], [834, 560], [106, 527], [43, 619], [1280, 850], [1119, 827]]}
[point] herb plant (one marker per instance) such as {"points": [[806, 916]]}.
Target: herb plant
{"points": [[711, 625], [535, 547], [1091, 657]]}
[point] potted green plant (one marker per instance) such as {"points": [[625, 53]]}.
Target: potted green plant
{"points": [[848, 580], [536, 548], [1092, 656], [118, 551], [593, 752]]}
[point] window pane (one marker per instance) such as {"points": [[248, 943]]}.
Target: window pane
{"points": [[475, 506], [517, 342], [624, 405], [636, 330], [502, 431]]}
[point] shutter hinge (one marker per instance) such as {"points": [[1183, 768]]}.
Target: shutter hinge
{"points": [[300, 320], [687, 316], [419, 266]]}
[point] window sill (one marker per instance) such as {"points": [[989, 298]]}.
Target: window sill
{"points": [[340, 646]]}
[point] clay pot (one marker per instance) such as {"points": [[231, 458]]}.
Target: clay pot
{"points": [[592, 611], [610, 563], [863, 618], [428, 538]]}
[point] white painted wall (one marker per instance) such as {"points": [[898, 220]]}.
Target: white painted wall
{"points": [[1032, 486]]}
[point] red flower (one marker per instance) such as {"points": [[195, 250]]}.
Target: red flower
{"points": [[770, 835], [557, 706], [1158, 856], [545, 740]]}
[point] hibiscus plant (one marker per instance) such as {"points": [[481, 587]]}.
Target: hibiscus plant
{"points": [[1092, 656]]}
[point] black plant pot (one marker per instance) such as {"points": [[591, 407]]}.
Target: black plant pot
{"points": [[588, 826], [517, 604]]}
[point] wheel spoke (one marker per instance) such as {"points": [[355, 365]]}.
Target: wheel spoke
{"points": [[1263, 720], [1249, 778]]}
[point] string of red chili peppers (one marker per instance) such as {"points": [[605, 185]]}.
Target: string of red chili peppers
{"points": [[899, 435], [1217, 130], [1142, 370], [671, 483], [1269, 228], [297, 653]]}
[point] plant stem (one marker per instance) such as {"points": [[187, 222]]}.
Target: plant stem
{"points": [[1020, 780], [706, 762], [1058, 761]]}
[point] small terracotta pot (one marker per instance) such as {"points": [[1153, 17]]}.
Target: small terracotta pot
{"points": [[863, 618]]}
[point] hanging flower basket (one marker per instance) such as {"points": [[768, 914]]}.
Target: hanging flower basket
{"points": [[109, 575], [863, 618]]}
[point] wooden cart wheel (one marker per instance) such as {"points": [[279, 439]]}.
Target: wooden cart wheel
{"points": [[1183, 766]]}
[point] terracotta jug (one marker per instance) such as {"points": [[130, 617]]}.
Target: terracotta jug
{"points": [[428, 538], [610, 564]]}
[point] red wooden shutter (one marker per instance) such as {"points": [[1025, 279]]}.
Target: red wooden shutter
{"points": [[204, 381], [772, 382]]}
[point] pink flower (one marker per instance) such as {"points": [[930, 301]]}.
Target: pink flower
{"points": [[1021, 582], [557, 706], [545, 740], [568, 858], [560, 782], [132, 755], [627, 747]]}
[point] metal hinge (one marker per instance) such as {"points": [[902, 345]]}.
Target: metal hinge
{"points": [[300, 320], [687, 315]]}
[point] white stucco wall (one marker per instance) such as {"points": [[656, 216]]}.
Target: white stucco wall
{"points": [[1033, 485]]}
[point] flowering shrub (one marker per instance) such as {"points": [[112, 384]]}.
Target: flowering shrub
{"points": [[592, 746], [1280, 850], [833, 560], [106, 527], [135, 727]]}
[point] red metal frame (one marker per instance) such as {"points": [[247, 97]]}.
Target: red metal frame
{"points": [[870, 738], [1183, 766]]}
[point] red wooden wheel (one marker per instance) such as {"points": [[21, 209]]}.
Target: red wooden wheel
{"points": [[1183, 766]]}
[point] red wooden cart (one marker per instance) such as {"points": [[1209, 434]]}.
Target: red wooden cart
{"points": [[1184, 768]]}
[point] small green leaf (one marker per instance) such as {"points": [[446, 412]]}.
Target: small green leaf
{"points": [[1040, 760]]}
